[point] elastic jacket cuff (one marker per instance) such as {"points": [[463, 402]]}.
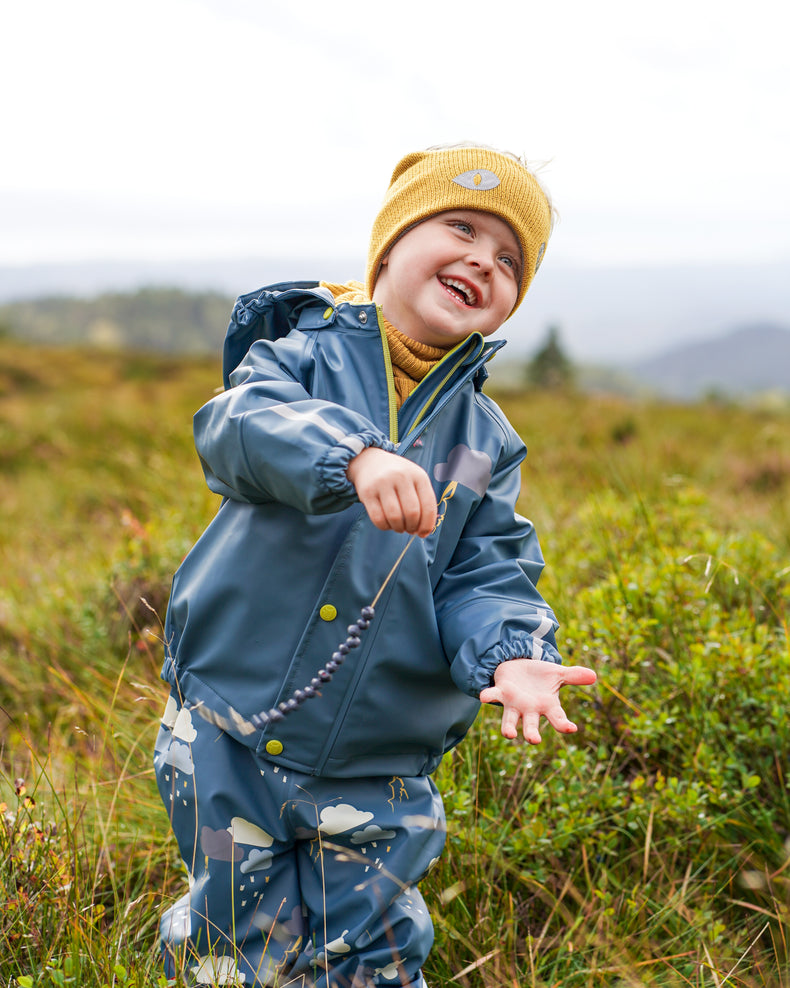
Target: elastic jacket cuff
{"points": [[331, 468], [523, 647]]}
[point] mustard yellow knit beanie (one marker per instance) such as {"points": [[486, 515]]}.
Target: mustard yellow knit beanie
{"points": [[425, 183]]}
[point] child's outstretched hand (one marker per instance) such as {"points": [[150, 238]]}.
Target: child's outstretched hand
{"points": [[529, 689], [396, 493]]}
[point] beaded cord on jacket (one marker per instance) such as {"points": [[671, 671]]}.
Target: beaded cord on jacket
{"points": [[324, 675]]}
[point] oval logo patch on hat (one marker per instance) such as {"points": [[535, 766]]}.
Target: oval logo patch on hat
{"points": [[480, 179]]}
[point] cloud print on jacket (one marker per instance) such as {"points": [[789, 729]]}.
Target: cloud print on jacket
{"points": [[466, 466]]}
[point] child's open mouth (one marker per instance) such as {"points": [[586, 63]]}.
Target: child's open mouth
{"points": [[460, 290]]}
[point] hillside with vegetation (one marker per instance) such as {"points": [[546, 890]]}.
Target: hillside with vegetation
{"points": [[753, 359], [650, 849], [167, 320]]}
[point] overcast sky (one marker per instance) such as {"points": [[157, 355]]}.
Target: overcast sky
{"points": [[225, 128]]}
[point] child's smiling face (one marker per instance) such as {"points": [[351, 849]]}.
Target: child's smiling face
{"points": [[454, 274]]}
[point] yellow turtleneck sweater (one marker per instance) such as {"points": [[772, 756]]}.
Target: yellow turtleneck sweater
{"points": [[411, 360]]}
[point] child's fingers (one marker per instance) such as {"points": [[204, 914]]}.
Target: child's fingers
{"points": [[413, 509], [559, 721], [555, 716], [405, 511], [509, 726], [375, 511], [530, 720], [396, 493], [392, 509], [491, 694], [427, 499], [577, 676], [416, 508], [531, 727]]}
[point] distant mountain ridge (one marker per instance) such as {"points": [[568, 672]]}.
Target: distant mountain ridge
{"points": [[746, 360]]}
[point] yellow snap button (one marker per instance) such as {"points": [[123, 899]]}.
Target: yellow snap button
{"points": [[328, 312], [274, 747], [328, 612]]}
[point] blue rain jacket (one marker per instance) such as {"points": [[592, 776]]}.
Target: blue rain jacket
{"points": [[265, 596]]}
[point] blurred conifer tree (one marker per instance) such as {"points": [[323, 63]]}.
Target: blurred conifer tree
{"points": [[550, 367]]}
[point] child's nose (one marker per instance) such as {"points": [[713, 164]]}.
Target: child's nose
{"points": [[480, 259]]}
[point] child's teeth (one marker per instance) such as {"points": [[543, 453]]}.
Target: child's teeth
{"points": [[464, 290]]}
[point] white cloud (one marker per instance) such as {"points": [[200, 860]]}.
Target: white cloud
{"points": [[390, 971], [336, 819], [180, 757], [244, 832], [183, 728], [170, 713], [257, 860], [370, 834], [339, 946], [177, 921], [217, 970]]}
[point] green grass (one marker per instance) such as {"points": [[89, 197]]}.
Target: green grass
{"points": [[651, 848]]}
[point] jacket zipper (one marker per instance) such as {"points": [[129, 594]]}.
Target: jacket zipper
{"points": [[391, 397], [445, 378], [419, 421]]}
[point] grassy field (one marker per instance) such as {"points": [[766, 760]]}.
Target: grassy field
{"points": [[652, 848]]}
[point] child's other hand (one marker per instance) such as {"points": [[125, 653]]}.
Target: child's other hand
{"points": [[397, 494], [529, 689]]}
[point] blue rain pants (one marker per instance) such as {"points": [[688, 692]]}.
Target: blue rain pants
{"points": [[295, 880]]}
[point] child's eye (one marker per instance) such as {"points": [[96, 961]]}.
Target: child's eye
{"points": [[510, 261], [463, 227]]}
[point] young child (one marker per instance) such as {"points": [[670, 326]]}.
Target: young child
{"points": [[353, 418]]}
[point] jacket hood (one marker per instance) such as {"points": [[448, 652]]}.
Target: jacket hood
{"points": [[269, 313]]}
